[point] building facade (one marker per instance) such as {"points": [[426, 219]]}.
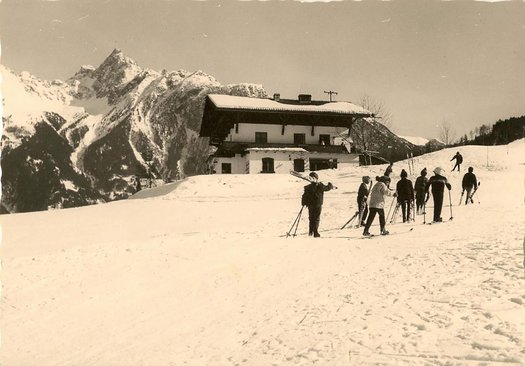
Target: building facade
{"points": [[255, 135]]}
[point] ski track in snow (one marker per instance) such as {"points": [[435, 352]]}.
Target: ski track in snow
{"points": [[190, 274]]}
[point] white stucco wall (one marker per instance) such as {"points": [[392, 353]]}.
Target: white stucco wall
{"points": [[238, 164], [247, 133], [283, 160]]}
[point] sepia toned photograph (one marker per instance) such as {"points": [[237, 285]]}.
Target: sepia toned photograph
{"points": [[262, 183]]}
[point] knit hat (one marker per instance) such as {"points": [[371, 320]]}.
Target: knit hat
{"points": [[404, 173], [424, 172], [384, 179], [438, 171], [365, 178]]}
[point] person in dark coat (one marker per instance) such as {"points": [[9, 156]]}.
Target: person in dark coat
{"points": [[438, 183], [459, 160], [362, 196], [420, 187], [313, 199], [469, 184], [388, 170], [405, 195]]}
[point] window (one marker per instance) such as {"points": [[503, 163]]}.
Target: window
{"points": [[299, 139], [298, 165], [324, 140], [226, 168], [319, 164], [267, 165], [261, 137]]}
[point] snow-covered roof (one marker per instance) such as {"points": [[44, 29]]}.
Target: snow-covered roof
{"points": [[292, 149], [264, 104]]}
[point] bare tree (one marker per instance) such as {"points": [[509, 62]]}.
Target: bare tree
{"points": [[446, 132], [363, 129], [379, 109]]}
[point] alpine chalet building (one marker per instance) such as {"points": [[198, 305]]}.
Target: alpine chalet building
{"points": [[263, 135]]}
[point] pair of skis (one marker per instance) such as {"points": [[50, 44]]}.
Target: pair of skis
{"points": [[306, 177]]}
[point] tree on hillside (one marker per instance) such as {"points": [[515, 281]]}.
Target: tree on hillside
{"points": [[362, 129], [446, 132], [379, 109]]}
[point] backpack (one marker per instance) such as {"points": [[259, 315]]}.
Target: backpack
{"points": [[310, 196]]}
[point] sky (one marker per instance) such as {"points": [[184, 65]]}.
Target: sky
{"points": [[426, 61]]}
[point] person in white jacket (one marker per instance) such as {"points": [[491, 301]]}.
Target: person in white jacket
{"points": [[377, 204]]}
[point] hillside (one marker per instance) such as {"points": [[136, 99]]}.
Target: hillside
{"points": [[198, 272], [80, 141], [370, 135]]}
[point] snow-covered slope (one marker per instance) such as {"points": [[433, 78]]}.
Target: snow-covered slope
{"points": [[198, 273]]}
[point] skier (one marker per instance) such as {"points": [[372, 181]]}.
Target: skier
{"points": [[313, 198], [469, 184], [438, 183], [377, 204], [420, 186], [388, 170], [459, 160], [362, 196], [405, 195]]}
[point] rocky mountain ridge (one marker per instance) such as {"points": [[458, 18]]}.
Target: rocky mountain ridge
{"points": [[83, 140]]}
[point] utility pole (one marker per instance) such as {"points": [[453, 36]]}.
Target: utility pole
{"points": [[330, 92]]}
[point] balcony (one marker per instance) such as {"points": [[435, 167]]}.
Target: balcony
{"points": [[240, 147]]}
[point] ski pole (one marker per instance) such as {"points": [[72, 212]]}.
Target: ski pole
{"points": [[393, 219], [425, 211], [390, 209], [298, 220], [461, 198], [450, 203], [472, 195], [362, 212], [295, 223], [349, 221]]}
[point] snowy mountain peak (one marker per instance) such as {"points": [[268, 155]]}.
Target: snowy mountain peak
{"points": [[115, 71]]}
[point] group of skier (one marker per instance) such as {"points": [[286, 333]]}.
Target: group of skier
{"points": [[371, 201]]}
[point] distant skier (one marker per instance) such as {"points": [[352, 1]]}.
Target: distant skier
{"points": [[377, 204], [388, 170], [420, 187], [405, 195], [469, 184], [459, 160], [438, 183], [313, 198], [362, 196]]}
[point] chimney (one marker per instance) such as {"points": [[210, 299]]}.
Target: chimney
{"points": [[305, 98], [277, 97]]}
